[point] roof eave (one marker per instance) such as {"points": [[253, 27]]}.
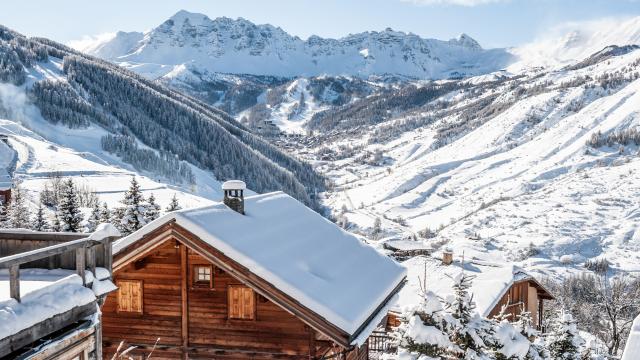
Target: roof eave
{"points": [[381, 306]]}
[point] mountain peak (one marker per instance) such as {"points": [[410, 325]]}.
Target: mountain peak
{"points": [[466, 41], [183, 15]]}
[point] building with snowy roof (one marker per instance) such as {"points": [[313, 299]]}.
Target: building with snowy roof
{"points": [[6, 183], [494, 286], [269, 278]]}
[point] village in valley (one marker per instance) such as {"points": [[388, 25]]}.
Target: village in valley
{"points": [[215, 188]]}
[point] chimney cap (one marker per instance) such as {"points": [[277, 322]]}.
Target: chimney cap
{"points": [[234, 185]]}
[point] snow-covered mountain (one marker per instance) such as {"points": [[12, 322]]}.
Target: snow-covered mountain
{"points": [[538, 169], [194, 41], [76, 115]]}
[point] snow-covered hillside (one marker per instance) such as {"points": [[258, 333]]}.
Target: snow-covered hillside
{"points": [[241, 47], [75, 116], [541, 170]]}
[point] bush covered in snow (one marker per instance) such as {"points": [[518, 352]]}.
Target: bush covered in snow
{"points": [[451, 329]]}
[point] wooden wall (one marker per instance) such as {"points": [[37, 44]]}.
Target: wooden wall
{"points": [[518, 295], [274, 332]]}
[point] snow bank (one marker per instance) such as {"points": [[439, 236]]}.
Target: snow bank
{"points": [[298, 251], [104, 231], [56, 298], [632, 349], [46, 293]]}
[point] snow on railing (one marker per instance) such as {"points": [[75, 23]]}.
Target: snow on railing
{"points": [[85, 255]]}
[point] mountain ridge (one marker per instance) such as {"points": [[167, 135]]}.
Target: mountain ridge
{"points": [[240, 46]]}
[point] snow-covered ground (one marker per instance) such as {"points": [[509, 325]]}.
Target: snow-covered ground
{"points": [[39, 150], [513, 183]]}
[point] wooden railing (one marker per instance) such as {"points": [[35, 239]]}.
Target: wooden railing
{"points": [[85, 256], [379, 341]]}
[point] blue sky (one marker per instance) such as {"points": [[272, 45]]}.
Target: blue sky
{"points": [[493, 23]]}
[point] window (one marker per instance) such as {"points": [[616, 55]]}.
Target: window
{"points": [[130, 296], [203, 276], [242, 303]]}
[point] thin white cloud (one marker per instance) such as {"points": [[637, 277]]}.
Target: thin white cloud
{"points": [[89, 41], [468, 3]]}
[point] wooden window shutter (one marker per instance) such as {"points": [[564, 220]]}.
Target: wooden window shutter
{"points": [[242, 302], [130, 296]]}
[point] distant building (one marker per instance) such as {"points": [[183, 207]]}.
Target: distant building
{"points": [[494, 285], [6, 183], [262, 277]]}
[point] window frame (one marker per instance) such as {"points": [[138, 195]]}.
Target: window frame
{"points": [[198, 284], [140, 283], [254, 311]]}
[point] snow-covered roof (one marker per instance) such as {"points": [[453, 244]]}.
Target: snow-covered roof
{"points": [[301, 253], [490, 283], [632, 349], [46, 293], [234, 185], [5, 179]]}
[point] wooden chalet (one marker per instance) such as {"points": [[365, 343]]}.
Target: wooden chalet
{"points": [[494, 286], [51, 287], [261, 277], [522, 293]]}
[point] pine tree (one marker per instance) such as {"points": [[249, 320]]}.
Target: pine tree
{"points": [[134, 210], [564, 343], [95, 218], [56, 224], [377, 228], [68, 214], [152, 210], [40, 222], [17, 212], [105, 214], [174, 205]]}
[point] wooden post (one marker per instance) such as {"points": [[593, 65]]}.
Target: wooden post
{"points": [[107, 251], [14, 282], [540, 314], [91, 260], [98, 335], [185, 301], [80, 264], [312, 344]]}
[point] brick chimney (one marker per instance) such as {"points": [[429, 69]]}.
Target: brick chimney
{"points": [[447, 256], [234, 195]]}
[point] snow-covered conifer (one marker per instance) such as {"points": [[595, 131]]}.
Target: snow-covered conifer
{"points": [[95, 218], [105, 214], [174, 205], [133, 210], [40, 222], [152, 210], [56, 224], [68, 214], [17, 212], [563, 342]]}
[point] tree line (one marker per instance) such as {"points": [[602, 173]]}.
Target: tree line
{"points": [[60, 209]]}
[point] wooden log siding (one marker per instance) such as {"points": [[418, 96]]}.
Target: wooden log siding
{"points": [[209, 331], [139, 249], [514, 300]]}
